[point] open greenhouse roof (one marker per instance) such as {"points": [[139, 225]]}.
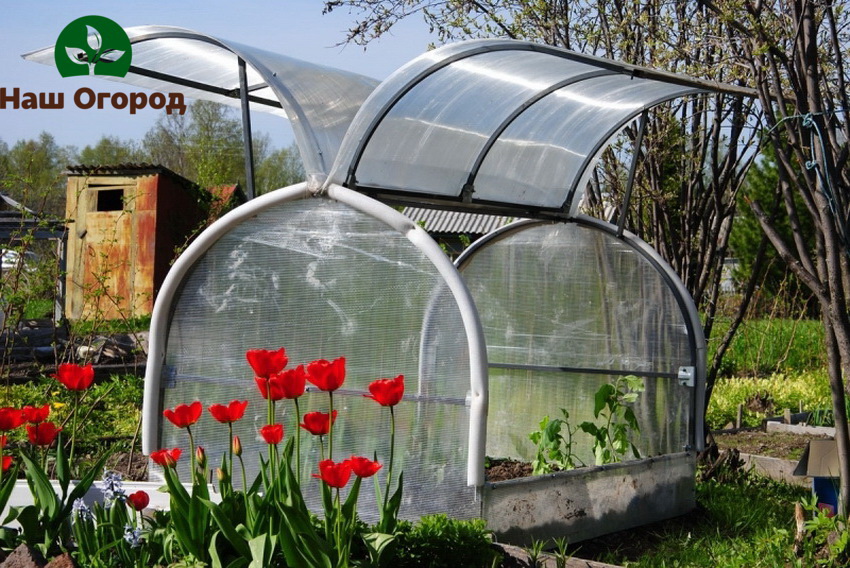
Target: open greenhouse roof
{"points": [[497, 126]]}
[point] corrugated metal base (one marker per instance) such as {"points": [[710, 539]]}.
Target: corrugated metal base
{"points": [[589, 502]]}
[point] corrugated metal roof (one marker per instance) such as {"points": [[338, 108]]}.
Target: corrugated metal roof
{"points": [[455, 222], [118, 169]]}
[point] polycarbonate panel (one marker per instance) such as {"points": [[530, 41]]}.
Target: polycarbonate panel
{"points": [[539, 157], [320, 101], [431, 139], [570, 302], [519, 399], [324, 280], [424, 129]]}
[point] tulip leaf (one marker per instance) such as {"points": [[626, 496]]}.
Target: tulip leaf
{"points": [[227, 529]]}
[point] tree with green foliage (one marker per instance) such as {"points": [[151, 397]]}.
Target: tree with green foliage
{"points": [[33, 175], [110, 150]]}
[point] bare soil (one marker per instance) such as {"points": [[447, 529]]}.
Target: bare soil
{"points": [[773, 444]]}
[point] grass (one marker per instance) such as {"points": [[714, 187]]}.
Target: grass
{"points": [[764, 347], [741, 520]]}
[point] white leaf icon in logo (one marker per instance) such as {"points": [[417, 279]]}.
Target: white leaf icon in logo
{"points": [[111, 55], [94, 39], [77, 55]]}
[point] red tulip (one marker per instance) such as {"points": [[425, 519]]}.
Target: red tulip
{"points": [[286, 384], [7, 462], [184, 415], [166, 458], [334, 474], [265, 362], [230, 413], [34, 414], [318, 423], [42, 434], [138, 500], [328, 376], [363, 467], [10, 418], [387, 392], [3, 441], [74, 377], [272, 433]]}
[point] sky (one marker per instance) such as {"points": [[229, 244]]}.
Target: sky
{"points": [[295, 28]]}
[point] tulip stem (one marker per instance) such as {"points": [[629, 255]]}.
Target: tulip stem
{"points": [[297, 441], [74, 425], [192, 454], [331, 427], [390, 467], [230, 463], [244, 479]]}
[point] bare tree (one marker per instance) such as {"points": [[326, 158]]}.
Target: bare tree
{"points": [[795, 51], [696, 151]]}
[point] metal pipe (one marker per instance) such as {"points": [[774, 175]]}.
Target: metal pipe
{"points": [[246, 130], [624, 207]]}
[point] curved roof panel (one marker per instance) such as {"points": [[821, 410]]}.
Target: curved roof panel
{"points": [[319, 101], [497, 124]]}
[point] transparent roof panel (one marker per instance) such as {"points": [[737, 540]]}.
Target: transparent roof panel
{"points": [[477, 95], [554, 139], [428, 128], [319, 101]]}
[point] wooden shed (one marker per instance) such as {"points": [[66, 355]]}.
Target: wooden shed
{"points": [[126, 223]]}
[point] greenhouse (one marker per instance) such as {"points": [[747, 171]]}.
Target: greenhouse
{"points": [[532, 320]]}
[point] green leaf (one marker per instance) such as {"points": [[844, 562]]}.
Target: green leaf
{"points": [[42, 489], [63, 468], [258, 548], [227, 529]]}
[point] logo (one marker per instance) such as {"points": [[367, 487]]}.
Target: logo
{"points": [[93, 45]]}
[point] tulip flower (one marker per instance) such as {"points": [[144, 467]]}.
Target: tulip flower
{"points": [[334, 474], [387, 392], [286, 384], [327, 375], [7, 463], [234, 411], [138, 500], [201, 457], [272, 433], [35, 414], [74, 377], [166, 458], [43, 434], [184, 415], [236, 446], [363, 467], [265, 363], [318, 423], [10, 418]]}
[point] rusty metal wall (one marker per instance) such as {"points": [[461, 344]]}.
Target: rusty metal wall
{"points": [[119, 251]]}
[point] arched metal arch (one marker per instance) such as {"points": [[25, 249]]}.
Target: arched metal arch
{"points": [[696, 338]]}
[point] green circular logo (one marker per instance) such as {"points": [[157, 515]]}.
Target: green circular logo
{"points": [[93, 45]]}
